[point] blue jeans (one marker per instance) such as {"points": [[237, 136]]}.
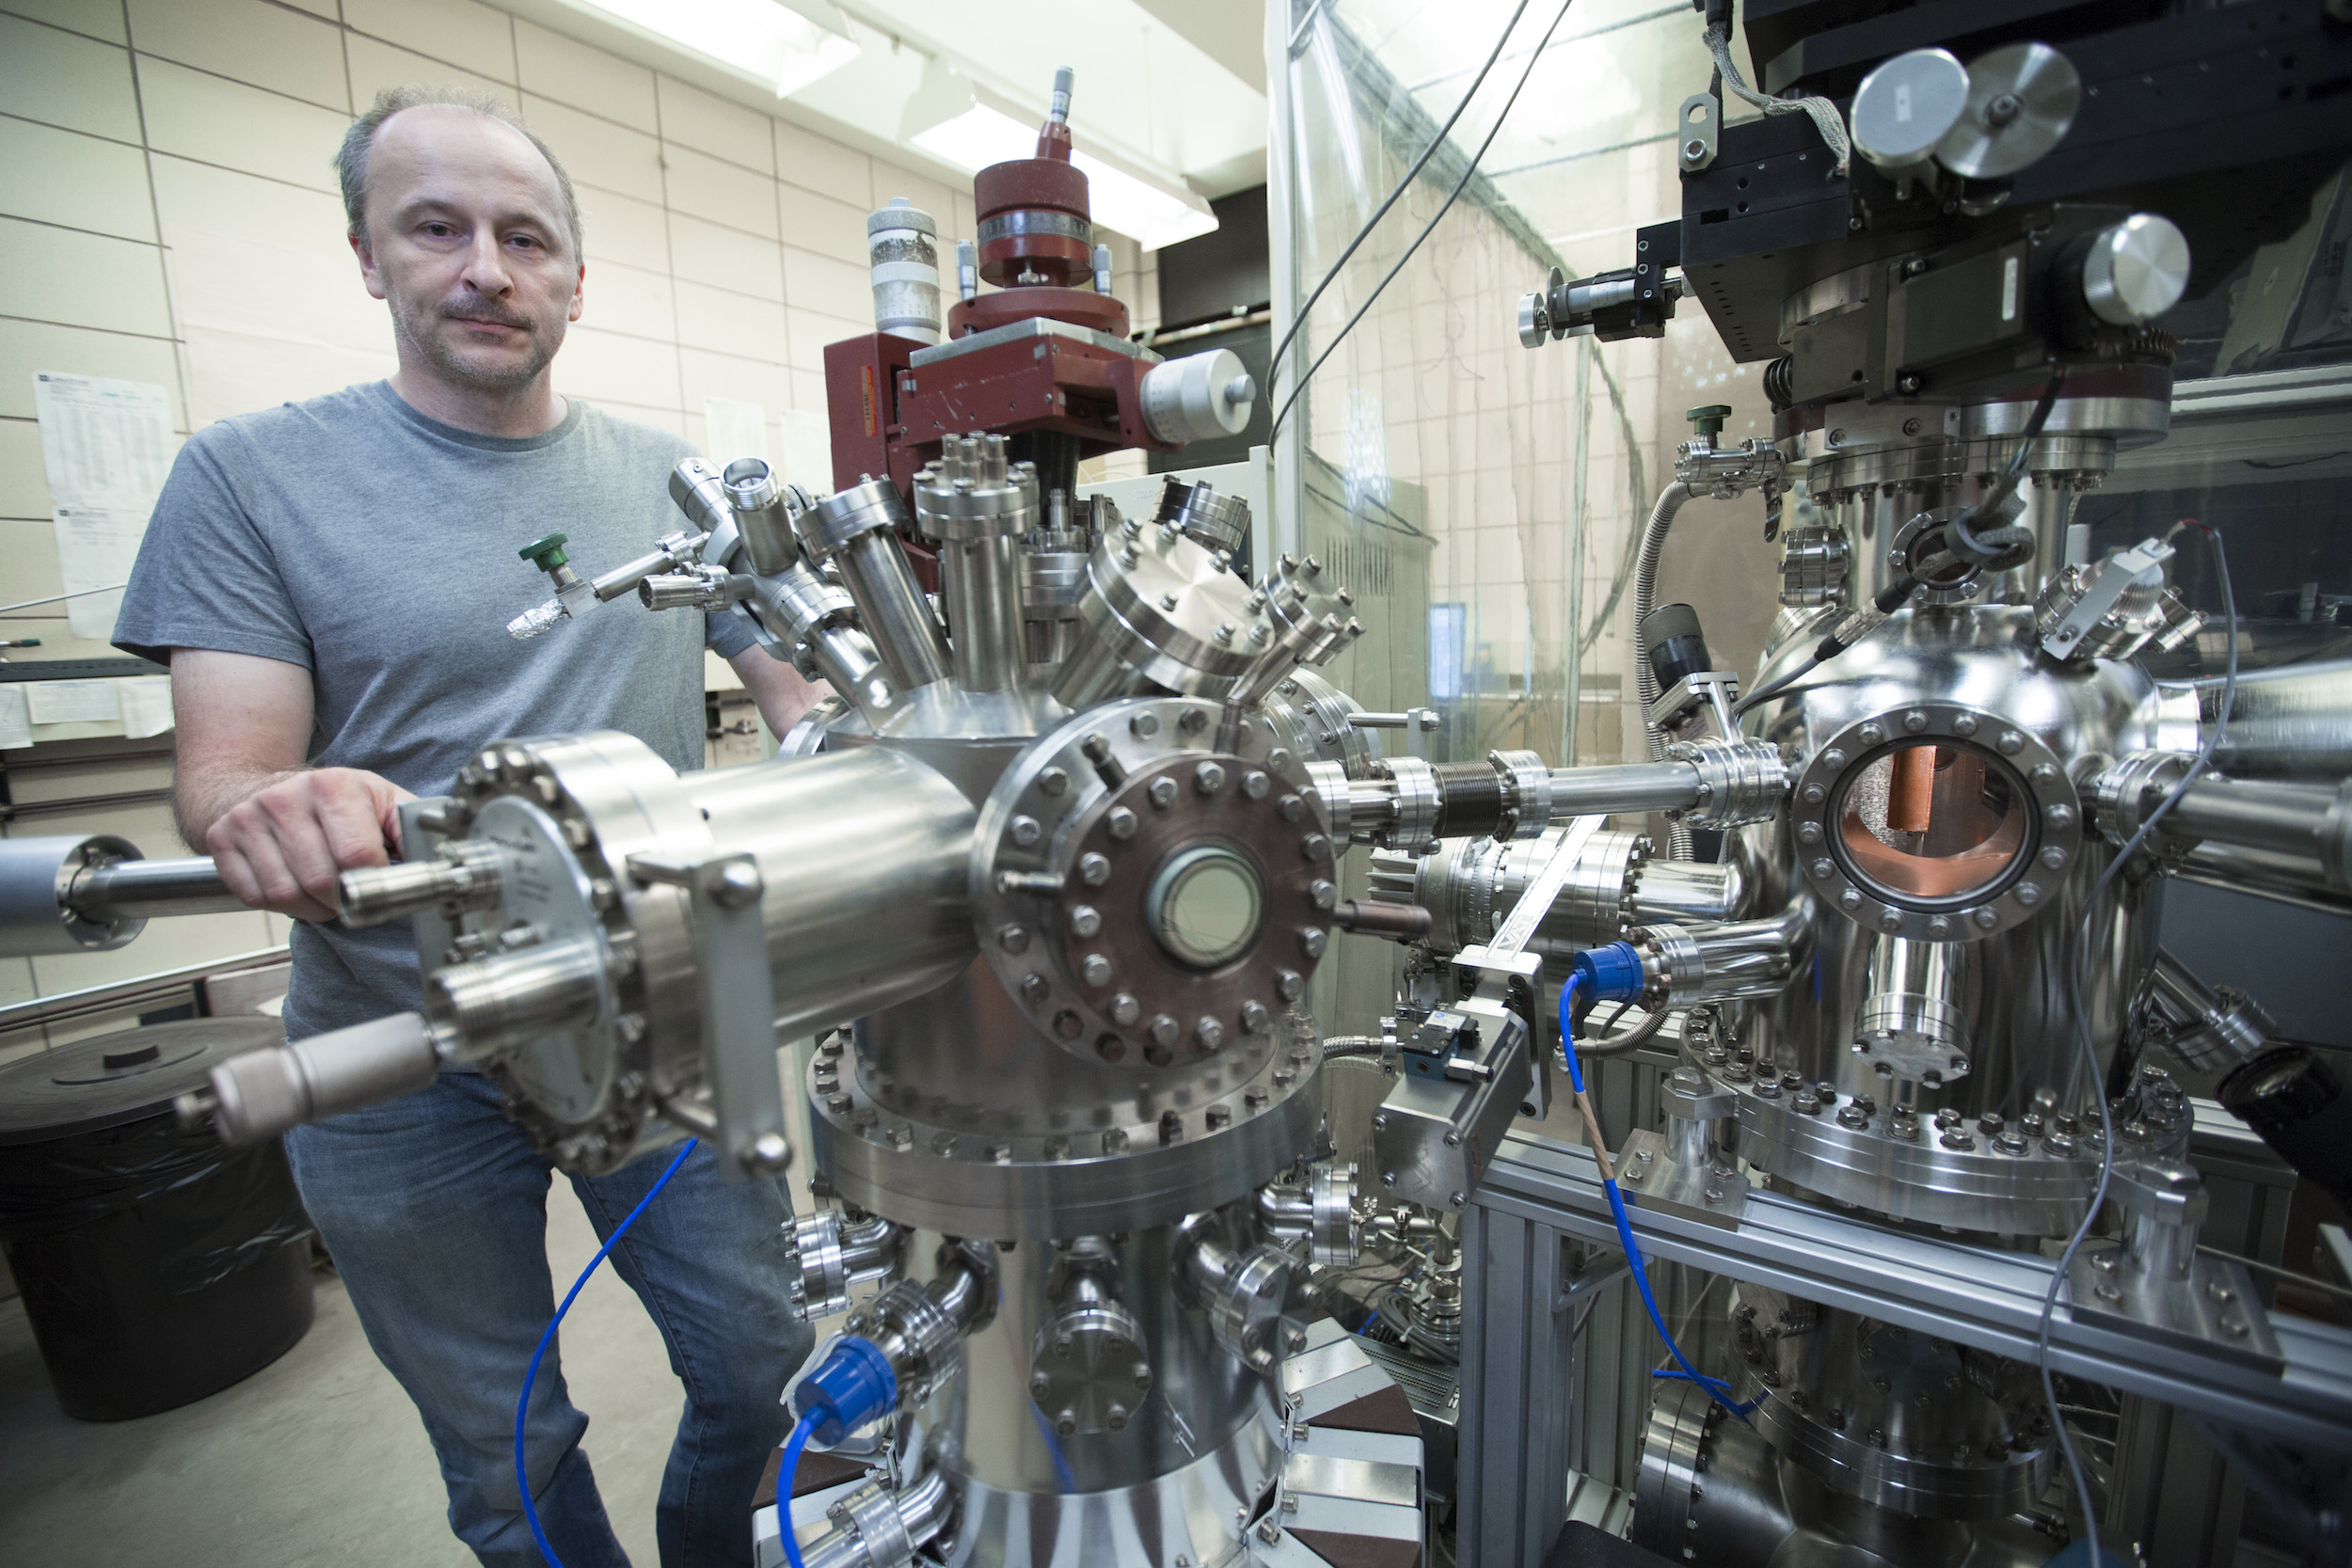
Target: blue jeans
{"points": [[435, 1209]]}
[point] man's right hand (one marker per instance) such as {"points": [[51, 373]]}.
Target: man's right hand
{"points": [[284, 847]]}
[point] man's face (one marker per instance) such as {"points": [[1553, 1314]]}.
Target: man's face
{"points": [[465, 241]]}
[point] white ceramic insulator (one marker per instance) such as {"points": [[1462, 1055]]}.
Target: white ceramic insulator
{"points": [[1200, 396]]}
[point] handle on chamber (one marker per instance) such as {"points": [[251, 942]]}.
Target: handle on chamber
{"points": [[264, 1093]]}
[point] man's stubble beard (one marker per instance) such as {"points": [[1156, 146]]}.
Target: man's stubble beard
{"points": [[420, 323]]}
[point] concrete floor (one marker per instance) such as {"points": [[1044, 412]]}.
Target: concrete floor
{"points": [[318, 1457]]}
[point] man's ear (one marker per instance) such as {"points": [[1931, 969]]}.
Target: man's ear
{"points": [[368, 272], [578, 292]]}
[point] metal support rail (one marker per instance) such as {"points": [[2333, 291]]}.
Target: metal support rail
{"points": [[1976, 1295]]}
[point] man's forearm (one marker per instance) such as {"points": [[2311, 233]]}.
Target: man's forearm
{"points": [[202, 796]]}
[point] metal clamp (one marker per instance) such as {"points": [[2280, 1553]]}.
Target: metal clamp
{"points": [[738, 1005]]}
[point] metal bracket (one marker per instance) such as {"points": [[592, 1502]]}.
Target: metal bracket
{"points": [[1695, 134], [738, 1000], [1648, 1177], [1718, 687], [2213, 1309]]}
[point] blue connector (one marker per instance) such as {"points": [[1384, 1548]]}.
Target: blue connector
{"points": [[853, 1386], [1611, 973]]}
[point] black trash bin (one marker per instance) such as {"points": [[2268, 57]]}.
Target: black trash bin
{"points": [[157, 1265]]}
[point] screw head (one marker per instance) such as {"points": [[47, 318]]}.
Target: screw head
{"points": [[1313, 939], [1027, 830], [1290, 808], [1290, 984], [1125, 1009], [1095, 970], [1121, 823], [1034, 987], [1054, 781], [1013, 939], [1253, 1016], [1208, 1034], [1143, 727], [1965, 725], [1315, 847], [1209, 778], [1085, 920], [1255, 784], [1093, 869], [1324, 895], [1162, 793]]}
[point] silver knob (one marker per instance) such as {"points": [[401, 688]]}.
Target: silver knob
{"points": [[1905, 106], [2137, 270]]}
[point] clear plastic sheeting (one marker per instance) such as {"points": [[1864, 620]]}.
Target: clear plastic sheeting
{"points": [[1498, 493]]}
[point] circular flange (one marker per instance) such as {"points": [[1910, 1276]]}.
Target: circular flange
{"points": [[567, 813], [1077, 850], [1948, 586], [2051, 835], [1174, 1151], [1912, 1169]]}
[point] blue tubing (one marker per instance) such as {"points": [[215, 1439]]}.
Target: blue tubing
{"points": [[522, 1405], [786, 1469], [1716, 1387]]}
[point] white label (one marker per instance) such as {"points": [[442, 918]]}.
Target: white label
{"points": [[16, 726], [146, 704], [96, 545], [2009, 290], [73, 702]]}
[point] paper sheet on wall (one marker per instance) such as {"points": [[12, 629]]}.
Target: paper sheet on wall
{"points": [[103, 442], [96, 545], [16, 726], [733, 429], [71, 702], [146, 704], [808, 450], [106, 447]]}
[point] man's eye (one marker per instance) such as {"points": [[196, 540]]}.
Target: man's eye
{"points": [[439, 230]]}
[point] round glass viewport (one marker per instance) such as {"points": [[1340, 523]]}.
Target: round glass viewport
{"points": [[1932, 822], [1204, 905]]}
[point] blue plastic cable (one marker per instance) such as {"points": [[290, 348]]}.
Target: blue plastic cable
{"points": [[1716, 1387], [522, 1405], [786, 1469]]}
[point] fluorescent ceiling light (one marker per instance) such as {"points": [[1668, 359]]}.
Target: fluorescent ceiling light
{"points": [[1156, 216], [764, 41]]}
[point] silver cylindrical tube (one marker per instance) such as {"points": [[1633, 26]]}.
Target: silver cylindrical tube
{"points": [[902, 246], [857, 530], [1626, 787], [1724, 963], [864, 856], [492, 1003], [1685, 893], [464, 877], [2306, 821], [260, 1094], [980, 582], [2293, 720], [142, 890], [36, 875], [763, 518]]}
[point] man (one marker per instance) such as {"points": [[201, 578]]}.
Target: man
{"points": [[330, 581]]}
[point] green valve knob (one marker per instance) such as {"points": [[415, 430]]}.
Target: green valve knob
{"points": [[548, 554], [1708, 421]]}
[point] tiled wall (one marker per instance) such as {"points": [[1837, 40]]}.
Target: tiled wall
{"points": [[168, 213]]}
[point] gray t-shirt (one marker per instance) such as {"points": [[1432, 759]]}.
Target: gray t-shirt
{"points": [[377, 547]]}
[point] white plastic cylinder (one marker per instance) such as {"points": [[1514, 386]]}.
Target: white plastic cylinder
{"points": [[1199, 397]]}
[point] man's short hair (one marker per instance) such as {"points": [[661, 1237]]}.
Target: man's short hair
{"points": [[351, 160]]}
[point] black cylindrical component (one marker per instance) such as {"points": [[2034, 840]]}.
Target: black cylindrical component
{"points": [[1677, 647], [157, 1266], [1470, 800], [1056, 455], [2289, 1097]]}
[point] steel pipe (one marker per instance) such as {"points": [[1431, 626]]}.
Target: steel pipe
{"points": [[1625, 787], [2294, 721], [143, 890], [2309, 823]]}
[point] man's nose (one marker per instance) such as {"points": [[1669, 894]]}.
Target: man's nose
{"points": [[486, 263]]}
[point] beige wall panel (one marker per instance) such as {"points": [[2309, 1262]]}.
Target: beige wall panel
{"points": [[720, 192], [581, 77], [623, 228], [60, 79], [377, 66], [247, 41], [724, 375], [100, 19], [79, 182], [234, 126], [475, 38], [596, 151], [813, 329], [726, 258], [827, 167], [660, 418], [692, 118], [54, 275], [726, 323], [619, 298], [836, 287], [606, 366], [831, 227]]}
